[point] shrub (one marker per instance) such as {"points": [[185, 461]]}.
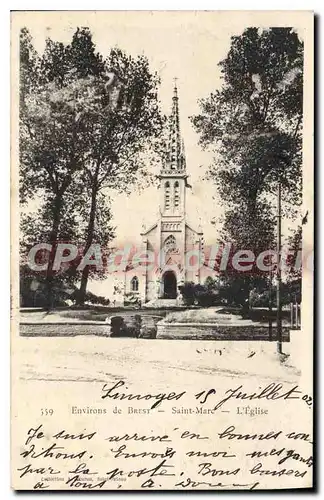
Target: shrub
{"points": [[202, 295], [188, 293], [206, 298], [132, 299]]}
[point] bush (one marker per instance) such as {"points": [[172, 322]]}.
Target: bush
{"points": [[132, 299], [202, 295], [188, 293], [33, 292], [119, 327], [290, 292], [96, 299], [206, 298]]}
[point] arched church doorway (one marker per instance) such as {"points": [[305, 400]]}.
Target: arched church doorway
{"points": [[169, 285]]}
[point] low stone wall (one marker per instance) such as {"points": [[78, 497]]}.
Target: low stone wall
{"points": [[131, 326], [150, 327], [206, 331], [63, 329]]}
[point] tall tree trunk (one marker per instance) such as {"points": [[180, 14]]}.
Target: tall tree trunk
{"points": [[57, 207], [90, 231]]}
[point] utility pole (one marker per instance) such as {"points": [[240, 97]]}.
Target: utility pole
{"points": [[279, 318], [270, 304]]}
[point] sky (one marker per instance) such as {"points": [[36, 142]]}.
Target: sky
{"points": [[175, 49], [185, 45]]}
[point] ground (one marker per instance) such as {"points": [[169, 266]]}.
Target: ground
{"points": [[98, 360]]}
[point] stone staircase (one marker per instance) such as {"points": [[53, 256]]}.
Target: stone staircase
{"points": [[162, 304]]}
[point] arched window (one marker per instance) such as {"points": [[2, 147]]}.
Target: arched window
{"points": [[134, 284], [167, 195], [176, 194], [170, 243]]}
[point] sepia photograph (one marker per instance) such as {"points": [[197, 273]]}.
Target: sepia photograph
{"points": [[162, 256]]}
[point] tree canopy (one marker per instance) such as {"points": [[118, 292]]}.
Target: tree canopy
{"points": [[85, 123], [253, 123]]}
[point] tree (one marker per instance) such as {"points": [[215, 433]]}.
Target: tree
{"points": [[83, 122], [253, 123], [72, 229], [120, 134], [29, 66], [52, 151], [53, 135]]}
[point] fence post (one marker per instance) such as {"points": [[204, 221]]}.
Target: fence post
{"points": [[299, 308], [297, 316]]}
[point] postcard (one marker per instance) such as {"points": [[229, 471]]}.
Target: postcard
{"points": [[162, 250]]}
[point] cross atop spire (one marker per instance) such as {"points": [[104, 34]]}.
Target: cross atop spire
{"points": [[175, 90]]}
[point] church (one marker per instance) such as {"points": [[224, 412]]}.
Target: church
{"points": [[177, 246]]}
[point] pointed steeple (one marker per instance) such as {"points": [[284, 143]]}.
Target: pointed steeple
{"points": [[175, 153]]}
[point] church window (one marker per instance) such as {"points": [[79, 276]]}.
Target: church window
{"points": [[134, 284], [167, 195], [170, 243], [176, 194]]}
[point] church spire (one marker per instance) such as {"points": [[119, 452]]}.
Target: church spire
{"points": [[175, 154], [173, 174]]}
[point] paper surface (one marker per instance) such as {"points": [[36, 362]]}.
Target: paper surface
{"points": [[92, 412]]}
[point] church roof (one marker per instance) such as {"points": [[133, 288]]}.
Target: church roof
{"points": [[192, 229], [153, 226]]}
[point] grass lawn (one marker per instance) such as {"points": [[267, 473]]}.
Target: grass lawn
{"points": [[222, 315], [203, 315], [90, 314]]}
